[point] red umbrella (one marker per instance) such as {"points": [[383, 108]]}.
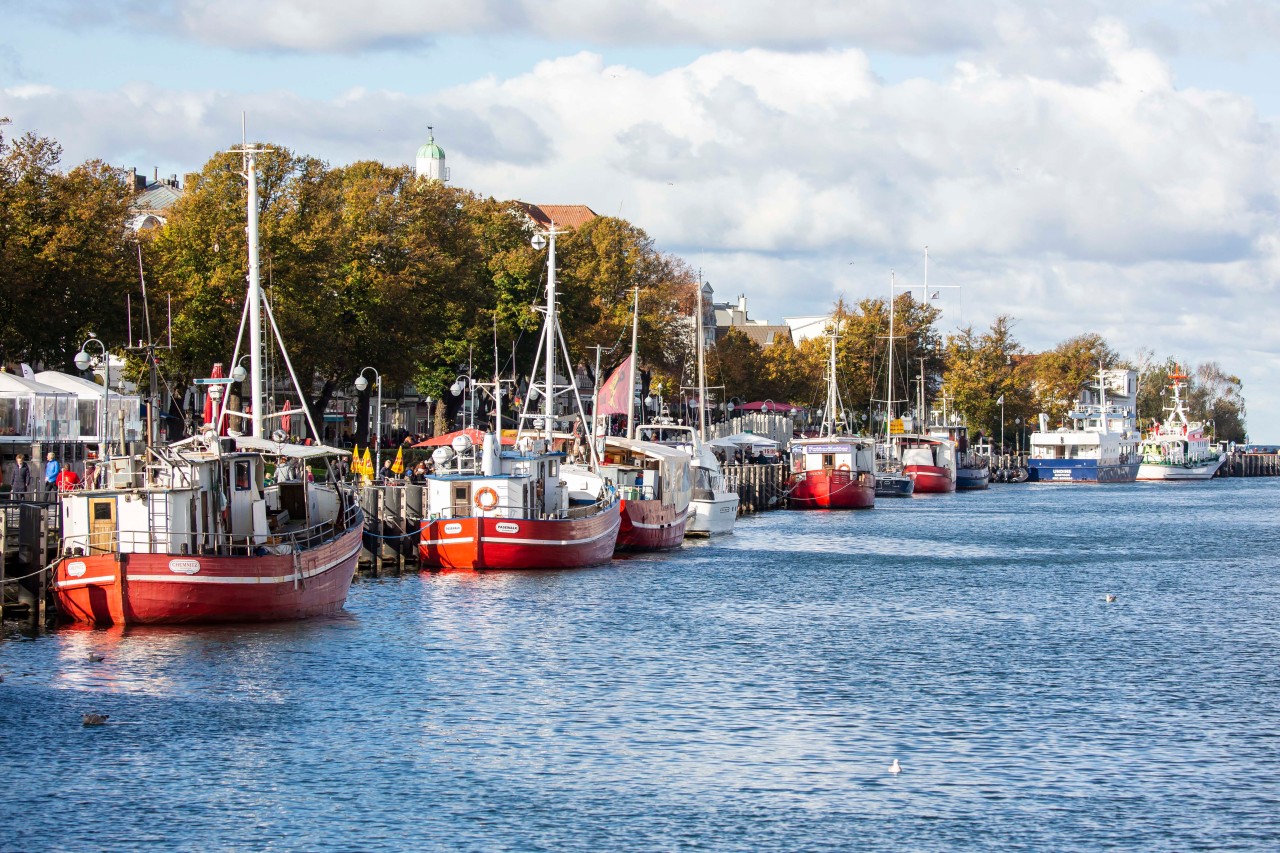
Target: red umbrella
{"points": [[286, 420], [476, 436]]}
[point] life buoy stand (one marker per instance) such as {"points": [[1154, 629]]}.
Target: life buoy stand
{"points": [[486, 499]]}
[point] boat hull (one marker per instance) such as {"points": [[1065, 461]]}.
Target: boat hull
{"points": [[520, 543], [894, 486], [972, 479], [650, 526], [1149, 471], [836, 489], [1080, 471], [168, 589], [714, 516], [930, 479]]}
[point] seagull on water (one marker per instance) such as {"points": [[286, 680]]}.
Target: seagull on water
{"points": [[94, 657], [94, 719], [1110, 598], [895, 767]]}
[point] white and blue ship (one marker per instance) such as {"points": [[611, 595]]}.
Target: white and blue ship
{"points": [[1102, 443]]}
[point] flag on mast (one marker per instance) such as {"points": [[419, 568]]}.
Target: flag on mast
{"points": [[615, 397]]}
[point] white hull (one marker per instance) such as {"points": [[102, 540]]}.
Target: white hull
{"points": [[713, 517], [1203, 471]]}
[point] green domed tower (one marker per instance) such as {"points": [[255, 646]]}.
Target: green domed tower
{"points": [[430, 162]]}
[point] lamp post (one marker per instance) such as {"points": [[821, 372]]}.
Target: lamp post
{"points": [[361, 384], [463, 383], [82, 360], [729, 407]]}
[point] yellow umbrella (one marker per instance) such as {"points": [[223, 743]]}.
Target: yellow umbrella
{"points": [[366, 465], [397, 467]]}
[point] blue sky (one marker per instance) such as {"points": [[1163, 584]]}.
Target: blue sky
{"points": [[1084, 167]]}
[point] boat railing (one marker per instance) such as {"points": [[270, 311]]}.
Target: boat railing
{"points": [[636, 493], [158, 541]]}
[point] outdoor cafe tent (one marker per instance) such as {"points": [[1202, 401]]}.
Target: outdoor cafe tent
{"points": [[745, 439], [89, 403], [33, 411]]}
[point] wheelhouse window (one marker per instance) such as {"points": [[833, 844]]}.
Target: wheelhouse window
{"points": [[244, 471]]}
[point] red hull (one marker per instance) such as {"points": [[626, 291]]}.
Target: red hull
{"points": [[520, 543], [166, 589], [833, 490], [650, 526], [930, 479]]}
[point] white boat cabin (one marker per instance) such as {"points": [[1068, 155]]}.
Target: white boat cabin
{"points": [[527, 482], [836, 453], [932, 451], [201, 497]]}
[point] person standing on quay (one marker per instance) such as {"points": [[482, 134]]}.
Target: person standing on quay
{"points": [[51, 469], [21, 478]]}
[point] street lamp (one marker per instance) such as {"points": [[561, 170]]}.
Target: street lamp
{"points": [[463, 383], [361, 384], [82, 360], [729, 406]]}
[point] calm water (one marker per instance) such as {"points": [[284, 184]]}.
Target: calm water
{"points": [[747, 694]]}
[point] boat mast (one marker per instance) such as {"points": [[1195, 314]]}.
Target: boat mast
{"points": [[631, 379], [888, 421], [829, 422], [702, 371], [548, 403], [1102, 397], [255, 297]]}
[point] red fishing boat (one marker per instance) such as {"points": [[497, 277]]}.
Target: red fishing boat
{"points": [[836, 470], [490, 508], [929, 460], [655, 485], [195, 531]]}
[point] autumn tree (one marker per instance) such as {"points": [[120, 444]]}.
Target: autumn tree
{"points": [[66, 253], [1056, 377], [981, 369]]}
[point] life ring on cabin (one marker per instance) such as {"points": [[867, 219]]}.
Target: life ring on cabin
{"points": [[843, 467], [486, 499]]}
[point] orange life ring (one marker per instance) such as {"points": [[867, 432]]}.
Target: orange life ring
{"points": [[842, 467], [486, 499]]}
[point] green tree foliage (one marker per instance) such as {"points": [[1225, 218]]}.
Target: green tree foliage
{"points": [[599, 265], [66, 253], [982, 368], [1056, 377]]}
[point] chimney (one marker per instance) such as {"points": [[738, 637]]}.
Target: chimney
{"points": [[173, 180], [133, 180], [156, 178]]}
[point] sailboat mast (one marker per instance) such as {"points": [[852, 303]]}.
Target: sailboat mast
{"points": [[702, 369], [831, 383], [631, 387], [254, 298], [888, 421], [548, 403]]}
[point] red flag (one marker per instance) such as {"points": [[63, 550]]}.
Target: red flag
{"points": [[616, 395], [284, 421]]}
